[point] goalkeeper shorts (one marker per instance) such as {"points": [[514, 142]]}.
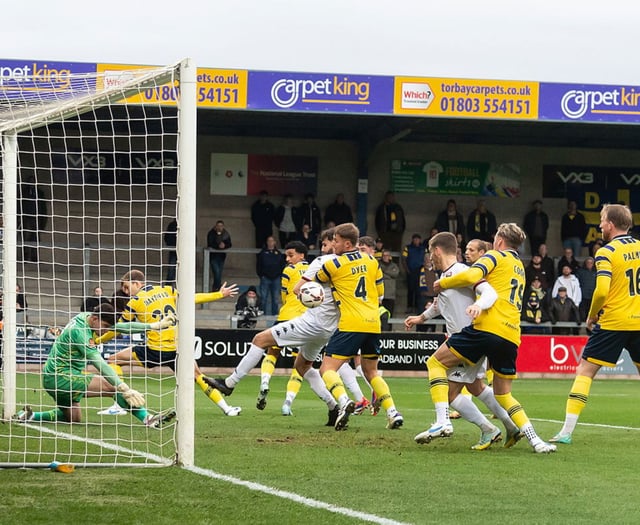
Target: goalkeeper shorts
{"points": [[66, 389]]}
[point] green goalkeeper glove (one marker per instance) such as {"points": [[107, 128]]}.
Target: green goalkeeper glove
{"points": [[168, 320], [131, 396]]}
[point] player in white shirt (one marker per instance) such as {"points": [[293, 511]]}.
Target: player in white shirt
{"points": [[459, 306], [308, 332]]}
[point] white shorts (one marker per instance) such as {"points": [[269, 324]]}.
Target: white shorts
{"points": [[307, 337], [465, 373]]}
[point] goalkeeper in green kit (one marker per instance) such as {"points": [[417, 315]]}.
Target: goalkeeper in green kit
{"points": [[64, 377]]}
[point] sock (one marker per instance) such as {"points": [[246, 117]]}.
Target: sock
{"points": [[317, 385], [439, 389], [361, 374], [464, 392], [383, 394], [350, 380], [293, 387], [515, 411], [578, 396], [50, 415], [212, 393], [267, 368], [335, 386], [487, 397], [469, 411], [246, 364], [117, 369], [139, 413]]}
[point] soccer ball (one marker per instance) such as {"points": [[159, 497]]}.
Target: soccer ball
{"points": [[311, 294]]}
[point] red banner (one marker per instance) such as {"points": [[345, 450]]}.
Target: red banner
{"points": [[554, 354]]}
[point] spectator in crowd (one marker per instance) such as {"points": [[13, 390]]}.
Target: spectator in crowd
{"points": [[170, 241], [535, 269], [563, 309], [248, 308], [533, 312], [536, 224], [573, 228], [535, 287], [586, 275], [32, 215], [547, 263], [595, 246], [450, 220], [481, 223], [269, 267], [219, 240], [570, 283], [287, 220], [379, 249], [425, 242], [412, 260], [568, 259], [459, 239], [390, 222], [338, 212], [309, 213], [94, 300], [427, 295], [308, 238], [263, 214], [390, 272], [21, 301]]}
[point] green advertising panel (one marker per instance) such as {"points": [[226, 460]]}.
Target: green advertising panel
{"points": [[455, 178]]}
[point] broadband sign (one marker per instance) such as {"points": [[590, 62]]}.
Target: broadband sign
{"points": [[320, 92]]}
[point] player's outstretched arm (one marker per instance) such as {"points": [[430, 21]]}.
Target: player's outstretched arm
{"points": [[225, 291]]}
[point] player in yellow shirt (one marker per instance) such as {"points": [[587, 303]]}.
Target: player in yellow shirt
{"points": [[614, 316], [148, 303], [295, 253], [494, 333], [356, 280]]}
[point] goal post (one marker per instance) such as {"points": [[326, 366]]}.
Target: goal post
{"points": [[94, 168]]}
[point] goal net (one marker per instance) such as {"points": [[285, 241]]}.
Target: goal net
{"points": [[95, 168]]}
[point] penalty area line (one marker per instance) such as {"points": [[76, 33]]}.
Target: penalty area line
{"points": [[597, 425], [296, 498]]}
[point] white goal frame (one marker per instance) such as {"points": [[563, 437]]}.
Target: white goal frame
{"points": [[24, 119]]}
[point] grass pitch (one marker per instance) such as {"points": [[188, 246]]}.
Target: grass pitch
{"points": [[364, 474]]}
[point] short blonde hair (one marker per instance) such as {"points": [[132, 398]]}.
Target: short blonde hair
{"points": [[512, 234]]}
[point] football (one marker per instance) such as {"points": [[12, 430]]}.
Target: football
{"points": [[311, 294]]}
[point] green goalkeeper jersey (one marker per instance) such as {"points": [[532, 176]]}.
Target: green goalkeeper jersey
{"points": [[75, 348]]}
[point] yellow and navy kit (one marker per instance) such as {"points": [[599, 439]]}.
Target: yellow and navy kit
{"points": [[149, 305], [504, 271], [356, 284], [617, 293], [291, 306]]}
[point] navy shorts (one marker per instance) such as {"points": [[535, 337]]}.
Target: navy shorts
{"points": [[151, 358], [472, 345], [605, 346], [345, 345]]}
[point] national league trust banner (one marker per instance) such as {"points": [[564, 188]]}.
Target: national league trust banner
{"points": [[242, 174]]}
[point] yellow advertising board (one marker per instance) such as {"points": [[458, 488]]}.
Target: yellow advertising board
{"points": [[216, 88], [448, 97]]}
